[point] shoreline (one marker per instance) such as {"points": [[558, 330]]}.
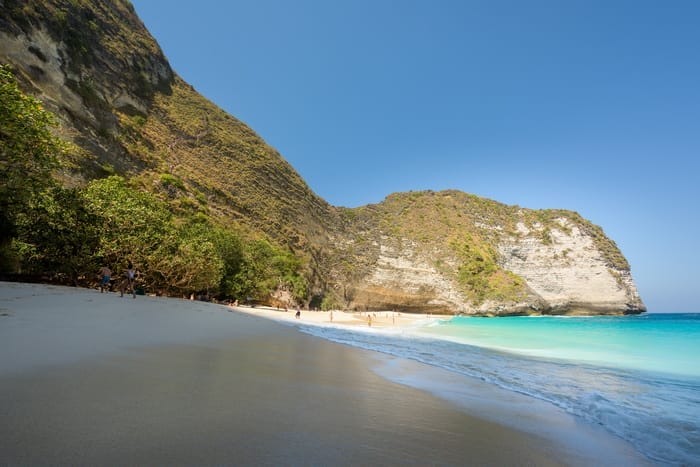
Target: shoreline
{"points": [[90, 378], [579, 438], [379, 319]]}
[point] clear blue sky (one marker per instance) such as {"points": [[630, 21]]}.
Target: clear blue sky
{"points": [[590, 105]]}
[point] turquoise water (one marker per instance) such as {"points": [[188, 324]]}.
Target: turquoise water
{"points": [[636, 376], [665, 343]]}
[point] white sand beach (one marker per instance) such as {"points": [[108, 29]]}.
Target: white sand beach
{"points": [[338, 317], [90, 378]]}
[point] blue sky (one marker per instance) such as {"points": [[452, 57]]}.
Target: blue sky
{"points": [[592, 105]]}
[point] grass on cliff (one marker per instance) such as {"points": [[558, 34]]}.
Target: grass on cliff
{"points": [[480, 276], [214, 159]]}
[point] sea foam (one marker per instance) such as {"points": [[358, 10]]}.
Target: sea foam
{"points": [[658, 412]]}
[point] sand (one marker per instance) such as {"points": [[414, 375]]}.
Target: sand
{"points": [[378, 319], [90, 378]]}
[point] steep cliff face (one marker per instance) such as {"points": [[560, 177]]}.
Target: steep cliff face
{"points": [[449, 252], [96, 66], [569, 272], [87, 62]]}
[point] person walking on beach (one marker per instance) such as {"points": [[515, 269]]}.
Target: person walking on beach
{"points": [[129, 279], [105, 276]]}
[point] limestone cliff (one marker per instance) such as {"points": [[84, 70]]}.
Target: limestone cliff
{"points": [[450, 252], [569, 272], [98, 69]]}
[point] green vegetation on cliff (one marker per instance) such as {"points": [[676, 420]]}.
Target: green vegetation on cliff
{"points": [[480, 275], [68, 233]]}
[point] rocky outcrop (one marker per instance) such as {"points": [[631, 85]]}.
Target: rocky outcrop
{"points": [[403, 278], [526, 262]]}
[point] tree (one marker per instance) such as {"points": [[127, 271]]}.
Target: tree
{"points": [[28, 153], [230, 249], [135, 222], [287, 268], [58, 234], [266, 267], [188, 261]]}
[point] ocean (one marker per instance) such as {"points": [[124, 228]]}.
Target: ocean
{"points": [[637, 377]]}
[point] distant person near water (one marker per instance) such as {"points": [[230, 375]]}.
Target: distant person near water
{"points": [[298, 313], [105, 276], [129, 279]]}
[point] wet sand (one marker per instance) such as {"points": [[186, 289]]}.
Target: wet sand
{"points": [[90, 378]]}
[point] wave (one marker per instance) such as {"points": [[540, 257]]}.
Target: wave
{"points": [[657, 414]]}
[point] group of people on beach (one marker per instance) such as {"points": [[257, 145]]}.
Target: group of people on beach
{"points": [[125, 285]]}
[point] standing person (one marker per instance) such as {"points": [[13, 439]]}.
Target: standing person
{"points": [[129, 279], [105, 276]]}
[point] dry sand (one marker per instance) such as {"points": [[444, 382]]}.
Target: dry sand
{"points": [[380, 319], [95, 379]]}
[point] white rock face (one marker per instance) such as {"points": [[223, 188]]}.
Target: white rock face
{"points": [[402, 269], [568, 271], [564, 271]]}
